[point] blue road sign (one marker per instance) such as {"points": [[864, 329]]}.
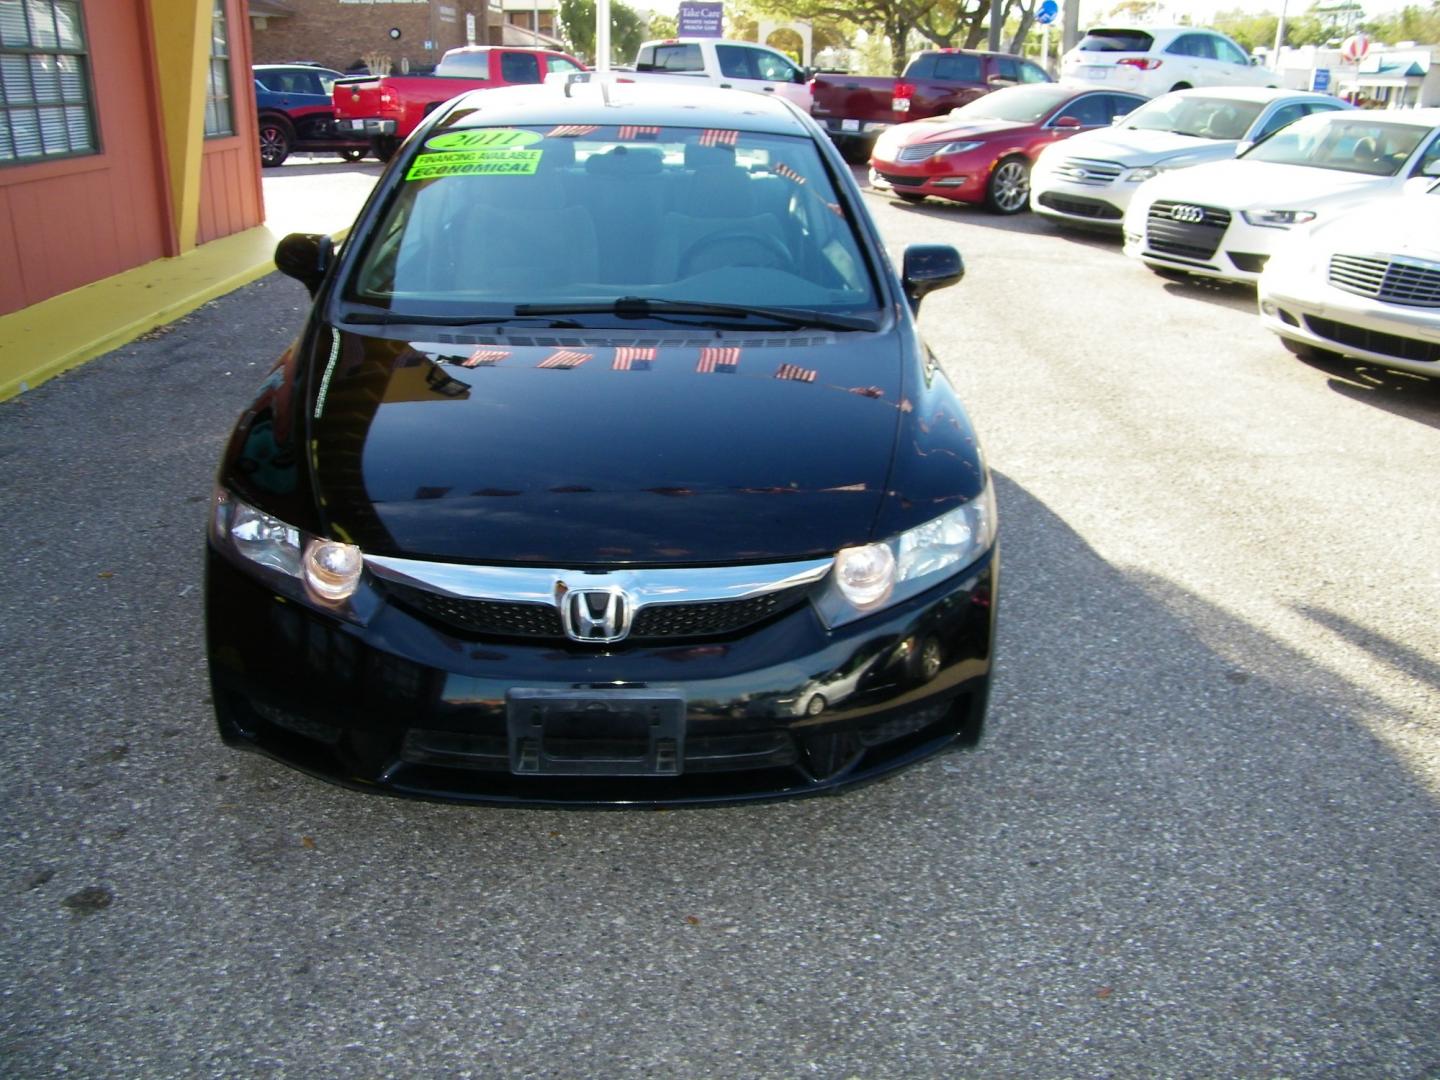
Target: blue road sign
{"points": [[1321, 79], [1047, 12]]}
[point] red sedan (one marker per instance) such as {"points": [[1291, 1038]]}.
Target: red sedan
{"points": [[982, 152]]}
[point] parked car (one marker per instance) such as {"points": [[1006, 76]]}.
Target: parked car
{"points": [[1154, 60], [384, 110], [1090, 178], [292, 104], [1224, 219], [1364, 284], [490, 529], [730, 65], [854, 109], [982, 152]]}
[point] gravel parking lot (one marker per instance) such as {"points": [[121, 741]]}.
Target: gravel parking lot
{"points": [[1200, 838]]}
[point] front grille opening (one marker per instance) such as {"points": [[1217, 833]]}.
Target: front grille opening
{"points": [[1198, 239], [1357, 337], [1251, 264], [1088, 208]]}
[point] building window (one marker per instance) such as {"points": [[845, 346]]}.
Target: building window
{"points": [[45, 105], [217, 95]]}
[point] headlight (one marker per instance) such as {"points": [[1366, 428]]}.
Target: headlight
{"points": [[1134, 176], [958, 147], [873, 576], [1277, 219], [324, 572]]}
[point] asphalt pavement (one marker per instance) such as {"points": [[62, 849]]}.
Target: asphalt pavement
{"points": [[1199, 840]]}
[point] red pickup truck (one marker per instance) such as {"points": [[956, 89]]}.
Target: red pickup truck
{"points": [[386, 109], [854, 109]]}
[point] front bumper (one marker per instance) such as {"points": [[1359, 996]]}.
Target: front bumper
{"points": [[406, 706], [1220, 244], [954, 177], [1091, 204], [1302, 308], [369, 126]]}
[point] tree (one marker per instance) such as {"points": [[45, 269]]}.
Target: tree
{"points": [[577, 23], [1410, 23]]}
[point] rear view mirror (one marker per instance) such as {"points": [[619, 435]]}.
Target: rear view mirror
{"points": [[305, 257], [928, 267]]}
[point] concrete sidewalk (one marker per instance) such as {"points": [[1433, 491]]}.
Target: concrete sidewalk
{"points": [[305, 195]]}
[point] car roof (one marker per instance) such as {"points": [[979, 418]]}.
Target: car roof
{"points": [[1261, 94], [1427, 118], [606, 102]]}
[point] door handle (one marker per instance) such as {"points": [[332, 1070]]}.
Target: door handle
{"points": [[725, 86], [769, 89]]}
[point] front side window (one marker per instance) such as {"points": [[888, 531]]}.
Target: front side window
{"points": [[46, 108], [557, 63], [774, 68], [1230, 52], [1348, 144], [1032, 73], [488, 218], [217, 94], [519, 67], [1092, 110]]}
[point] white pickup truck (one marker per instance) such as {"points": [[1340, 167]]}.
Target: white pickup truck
{"points": [[738, 65]]}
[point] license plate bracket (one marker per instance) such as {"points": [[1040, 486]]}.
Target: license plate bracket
{"points": [[584, 732]]}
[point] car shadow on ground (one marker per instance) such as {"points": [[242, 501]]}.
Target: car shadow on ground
{"points": [[323, 165], [1237, 296], [1413, 397]]}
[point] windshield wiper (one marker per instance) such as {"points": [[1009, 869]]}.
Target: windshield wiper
{"points": [[395, 318], [637, 307]]}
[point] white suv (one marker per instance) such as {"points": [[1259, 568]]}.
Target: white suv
{"points": [[1154, 59]]}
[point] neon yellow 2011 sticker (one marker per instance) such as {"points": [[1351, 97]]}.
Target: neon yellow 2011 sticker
{"points": [[475, 163], [483, 139]]}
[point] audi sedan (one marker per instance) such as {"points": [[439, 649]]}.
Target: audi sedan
{"points": [[609, 467], [1224, 220], [982, 152]]}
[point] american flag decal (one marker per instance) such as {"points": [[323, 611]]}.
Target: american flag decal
{"points": [[571, 131], [721, 360], [632, 359], [638, 131], [788, 173], [868, 391], [796, 373], [565, 359], [719, 137], [485, 358]]}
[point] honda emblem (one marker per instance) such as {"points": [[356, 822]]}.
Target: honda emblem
{"points": [[596, 616]]}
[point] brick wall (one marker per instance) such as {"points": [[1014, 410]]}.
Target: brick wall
{"points": [[337, 33]]}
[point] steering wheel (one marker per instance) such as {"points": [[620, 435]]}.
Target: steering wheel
{"points": [[762, 250]]}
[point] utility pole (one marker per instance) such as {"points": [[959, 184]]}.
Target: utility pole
{"points": [[995, 26], [1070, 32], [1279, 38], [602, 36]]}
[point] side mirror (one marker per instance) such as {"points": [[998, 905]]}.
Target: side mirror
{"points": [[305, 257], [928, 267], [1066, 122], [998, 81]]}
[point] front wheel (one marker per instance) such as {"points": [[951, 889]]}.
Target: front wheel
{"points": [[1009, 189], [274, 143]]}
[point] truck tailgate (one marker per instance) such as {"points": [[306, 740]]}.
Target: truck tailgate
{"points": [[357, 98], [856, 98]]}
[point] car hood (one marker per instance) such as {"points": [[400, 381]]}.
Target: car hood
{"points": [[950, 128], [1404, 225], [574, 452], [1262, 184], [1132, 148]]}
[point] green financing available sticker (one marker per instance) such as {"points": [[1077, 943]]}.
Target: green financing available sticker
{"points": [[478, 152]]}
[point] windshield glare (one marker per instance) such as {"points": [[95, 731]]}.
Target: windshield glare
{"points": [[1201, 117], [1026, 104], [487, 218], [1350, 143]]}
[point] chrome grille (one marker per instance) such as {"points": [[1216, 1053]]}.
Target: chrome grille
{"points": [[1088, 171], [1397, 280], [1166, 234], [918, 152]]}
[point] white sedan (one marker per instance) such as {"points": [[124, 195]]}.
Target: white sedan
{"points": [[1365, 284], [1224, 219], [1089, 178]]}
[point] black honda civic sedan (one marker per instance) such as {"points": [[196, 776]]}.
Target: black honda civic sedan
{"points": [[609, 468]]}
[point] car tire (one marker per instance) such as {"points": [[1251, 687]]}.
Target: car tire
{"points": [[353, 155], [275, 142], [1169, 273], [384, 147], [1008, 191], [816, 705]]}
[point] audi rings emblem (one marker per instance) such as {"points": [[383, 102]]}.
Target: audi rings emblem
{"points": [[1191, 215]]}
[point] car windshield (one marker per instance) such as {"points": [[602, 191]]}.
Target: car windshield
{"points": [[488, 218], [1027, 104], [1201, 117], [1349, 143]]}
